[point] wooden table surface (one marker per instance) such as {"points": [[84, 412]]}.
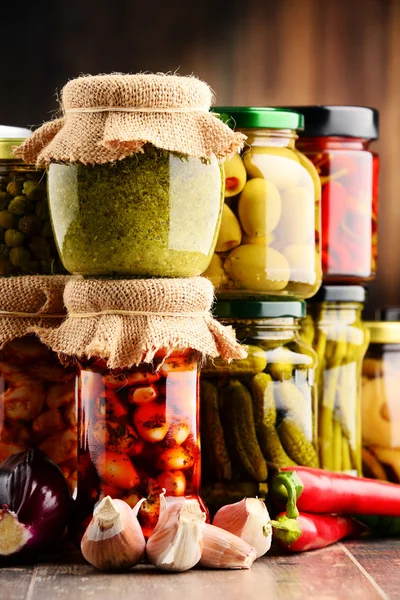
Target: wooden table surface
{"points": [[369, 570]]}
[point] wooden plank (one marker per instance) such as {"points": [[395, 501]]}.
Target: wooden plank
{"points": [[328, 574], [381, 560], [15, 582]]}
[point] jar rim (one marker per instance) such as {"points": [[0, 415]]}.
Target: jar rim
{"points": [[259, 309]]}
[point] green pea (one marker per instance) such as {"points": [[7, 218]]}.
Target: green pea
{"points": [[30, 224], [20, 206], [14, 188]]}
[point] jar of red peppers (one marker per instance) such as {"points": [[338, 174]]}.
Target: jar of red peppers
{"points": [[337, 140], [138, 433]]}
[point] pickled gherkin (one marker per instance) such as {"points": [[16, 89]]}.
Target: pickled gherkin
{"points": [[262, 414], [340, 341]]}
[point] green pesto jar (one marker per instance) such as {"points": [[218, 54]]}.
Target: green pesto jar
{"points": [[153, 214]]}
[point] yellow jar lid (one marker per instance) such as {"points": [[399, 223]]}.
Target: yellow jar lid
{"points": [[383, 332], [10, 137]]}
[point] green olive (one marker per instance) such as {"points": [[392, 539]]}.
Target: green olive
{"points": [[5, 200], [279, 165], [34, 191], [42, 210], [40, 248], [14, 238], [230, 234], [297, 222], [14, 188], [20, 205], [6, 266], [235, 176], [30, 225], [259, 207], [20, 256], [258, 268], [7, 220]]}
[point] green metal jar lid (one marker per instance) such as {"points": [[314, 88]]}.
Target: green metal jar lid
{"points": [[251, 117], [10, 137], [255, 309]]}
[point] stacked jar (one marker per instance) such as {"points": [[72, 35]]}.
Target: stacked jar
{"points": [[337, 140], [260, 413], [37, 401], [136, 211]]}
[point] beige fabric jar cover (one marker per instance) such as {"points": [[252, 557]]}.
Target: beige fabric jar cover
{"points": [[27, 302], [125, 322], [109, 117]]}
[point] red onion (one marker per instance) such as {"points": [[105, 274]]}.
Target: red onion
{"points": [[34, 503]]}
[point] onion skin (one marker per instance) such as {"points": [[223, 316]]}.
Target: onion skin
{"points": [[34, 489]]}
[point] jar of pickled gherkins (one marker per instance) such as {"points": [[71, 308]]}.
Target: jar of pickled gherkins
{"points": [[381, 398], [27, 244], [138, 434], [340, 339], [268, 243], [259, 412], [135, 180], [337, 140]]}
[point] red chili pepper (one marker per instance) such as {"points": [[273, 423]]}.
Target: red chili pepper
{"points": [[317, 531], [319, 491]]}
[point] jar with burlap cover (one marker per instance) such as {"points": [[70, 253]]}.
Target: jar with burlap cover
{"points": [[37, 400], [128, 322], [109, 117]]}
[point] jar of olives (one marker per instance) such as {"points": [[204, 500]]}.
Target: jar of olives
{"points": [[334, 328], [337, 140], [261, 410], [27, 244], [381, 398], [268, 244]]}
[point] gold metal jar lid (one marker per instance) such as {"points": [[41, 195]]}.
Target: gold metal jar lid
{"points": [[383, 332], [10, 137]]}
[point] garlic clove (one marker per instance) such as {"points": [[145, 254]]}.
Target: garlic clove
{"points": [[113, 540], [248, 519], [176, 542], [224, 550]]}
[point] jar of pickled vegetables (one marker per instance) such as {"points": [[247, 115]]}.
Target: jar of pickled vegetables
{"points": [[27, 244], [135, 177], [340, 339], [381, 398], [37, 405], [138, 434], [258, 412], [337, 140], [268, 243]]}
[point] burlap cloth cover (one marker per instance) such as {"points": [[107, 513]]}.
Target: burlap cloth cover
{"points": [[30, 301], [127, 321], [109, 117]]}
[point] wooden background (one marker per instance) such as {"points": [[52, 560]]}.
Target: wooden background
{"points": [[265, 52]]}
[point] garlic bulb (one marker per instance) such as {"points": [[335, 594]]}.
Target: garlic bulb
{"points": [[113, 540], [248, 519], [223, 550], [176, 542]]}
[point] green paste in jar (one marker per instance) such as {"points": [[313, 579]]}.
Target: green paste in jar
{"points": [[154, 213]]}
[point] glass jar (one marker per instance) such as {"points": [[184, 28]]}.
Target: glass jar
{"points": [[27, 244], [138, 434], [337, 139], [37, 405], [153, 214], [267, 245], [381, 398], [260, 410], [340, 339]]}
